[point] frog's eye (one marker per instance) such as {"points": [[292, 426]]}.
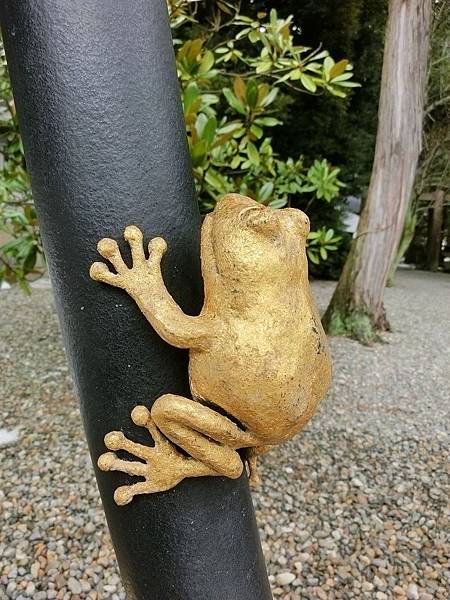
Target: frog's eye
{"points": [[305, 224], [249, 211], [259, 219], [300, 219]]}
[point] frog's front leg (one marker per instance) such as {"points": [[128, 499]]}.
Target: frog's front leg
{"points": [[145, 284], [209, 438]]}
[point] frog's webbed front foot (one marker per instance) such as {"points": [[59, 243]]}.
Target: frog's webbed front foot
{"points": [[144, 283], [134, 280], [210, 439], [164, 465]]}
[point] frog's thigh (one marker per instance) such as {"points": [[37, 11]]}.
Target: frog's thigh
{"points": [[203, 433]]}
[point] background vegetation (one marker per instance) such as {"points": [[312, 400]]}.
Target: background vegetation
{"points": [[271, 112], [238, 74]]}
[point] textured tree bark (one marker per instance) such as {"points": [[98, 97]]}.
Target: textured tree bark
{"points": [[435, 232], [356, 308], [99, 108], [405, 241]]}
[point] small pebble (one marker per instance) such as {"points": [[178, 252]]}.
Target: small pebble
{"points": [[412, 592], [285, 578]]}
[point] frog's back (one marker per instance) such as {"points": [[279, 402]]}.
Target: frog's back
{"points": [[268, 369]]}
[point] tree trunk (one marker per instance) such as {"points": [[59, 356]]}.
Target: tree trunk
{"points": [[435, 231], [356, 308], [405, 242]]}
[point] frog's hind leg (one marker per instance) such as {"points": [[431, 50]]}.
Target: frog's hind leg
{"points": [[164, 465], [206, 435]]}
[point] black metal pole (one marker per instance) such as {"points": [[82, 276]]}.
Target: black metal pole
{"points": [[99, 109]]}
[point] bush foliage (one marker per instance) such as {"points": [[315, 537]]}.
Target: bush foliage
{"points": [[237, 74]]}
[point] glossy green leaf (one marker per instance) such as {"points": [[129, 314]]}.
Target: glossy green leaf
{"points": [[308, 82], [207, 62], [233, 101], [265, 192], [338, 68], [252, 93], [253, 153]]}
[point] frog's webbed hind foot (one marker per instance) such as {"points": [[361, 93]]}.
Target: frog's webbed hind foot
{"points": [[163, 467]]}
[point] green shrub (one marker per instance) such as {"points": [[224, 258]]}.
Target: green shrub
{"points": [[237, 74]]}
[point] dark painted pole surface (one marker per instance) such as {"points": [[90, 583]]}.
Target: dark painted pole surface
{"points": [[98, 104]]}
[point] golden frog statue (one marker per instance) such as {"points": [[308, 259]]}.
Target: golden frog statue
{"points": [[258, 356]]}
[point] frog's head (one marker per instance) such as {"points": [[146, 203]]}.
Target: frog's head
{"points": [[242, 237]]}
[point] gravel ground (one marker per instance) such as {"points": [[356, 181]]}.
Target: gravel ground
{"points": [[355, 507]]}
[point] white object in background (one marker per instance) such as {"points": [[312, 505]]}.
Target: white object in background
{"points": [[352, 212], [8, 436]]}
